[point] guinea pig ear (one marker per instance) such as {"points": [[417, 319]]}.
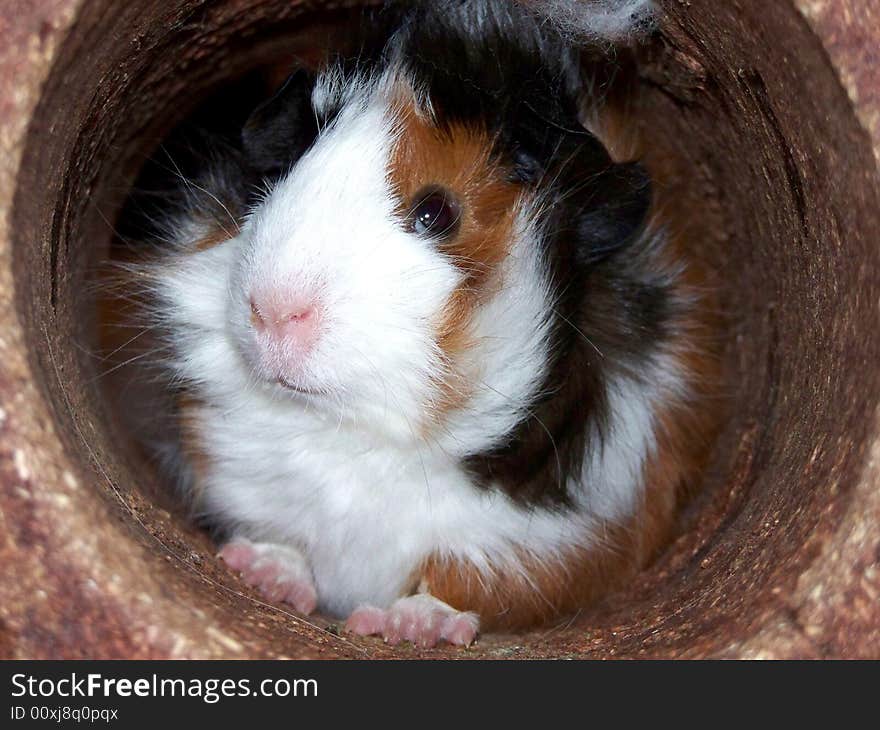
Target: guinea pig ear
{"points": [[614, 212], [282, 128]]}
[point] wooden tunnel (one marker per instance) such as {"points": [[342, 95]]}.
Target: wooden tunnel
{"points": [[775, 107]]}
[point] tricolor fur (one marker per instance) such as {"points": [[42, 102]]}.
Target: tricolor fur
{"points": [[503, 418]]}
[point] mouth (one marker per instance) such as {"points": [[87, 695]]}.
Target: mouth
{"points": [[293, 387]]}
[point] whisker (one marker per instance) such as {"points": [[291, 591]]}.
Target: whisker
{"points": [[579, 331]]}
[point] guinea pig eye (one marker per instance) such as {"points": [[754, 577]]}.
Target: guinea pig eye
{"points": [[435, 215]]}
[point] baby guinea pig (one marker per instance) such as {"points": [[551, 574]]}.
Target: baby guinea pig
{"points": [[441, 363]]}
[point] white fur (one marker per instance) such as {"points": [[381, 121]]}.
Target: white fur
{"points": [[507, 364], [358, 476], [611, 482], [596, 20]]}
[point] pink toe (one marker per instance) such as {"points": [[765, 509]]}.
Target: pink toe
{"points": [[238, 555], [460, 629], [261, 573], [366, 621], [422, 629], [274, 592], [302, 597], [393, 633], [428, 637], [409, 627]]}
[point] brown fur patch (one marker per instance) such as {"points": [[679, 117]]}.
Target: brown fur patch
{"points": [[460, 160], [191, 444], [534, 594]]}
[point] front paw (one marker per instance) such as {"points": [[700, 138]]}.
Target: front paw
{"points": [[279, 572], [421, 619]]}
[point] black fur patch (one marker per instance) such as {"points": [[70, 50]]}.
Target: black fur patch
{"points": [[282, 128]]}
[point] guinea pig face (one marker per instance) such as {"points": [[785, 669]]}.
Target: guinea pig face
{"points": [[374, 275]]}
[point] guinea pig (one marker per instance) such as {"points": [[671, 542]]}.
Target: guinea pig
{"points": [[441, 361]]}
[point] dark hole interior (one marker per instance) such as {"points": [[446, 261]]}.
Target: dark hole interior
{"points": [[784, 177]]}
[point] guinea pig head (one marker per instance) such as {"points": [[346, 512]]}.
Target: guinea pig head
{"points": [[399, 269], [432, 215], [340, 287]]}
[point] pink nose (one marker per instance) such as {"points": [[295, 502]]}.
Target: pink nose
{"points": [[293, 323]]}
